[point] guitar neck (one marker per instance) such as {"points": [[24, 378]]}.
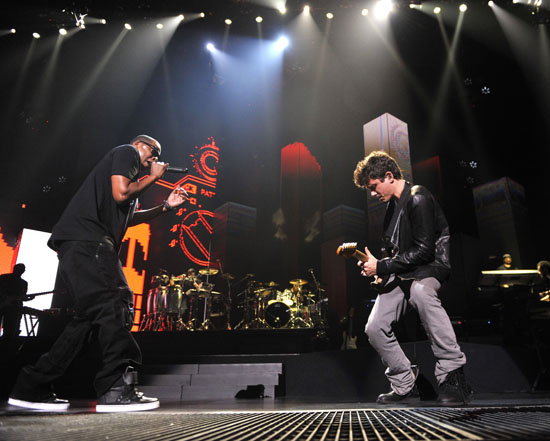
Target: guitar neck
{"points": [[360, 256]]}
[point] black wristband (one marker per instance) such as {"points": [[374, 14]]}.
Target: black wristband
{"points": [[167, 206]]}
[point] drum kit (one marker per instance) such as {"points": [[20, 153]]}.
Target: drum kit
{"points": [[188, 302], [265, 307], [185, 303]]}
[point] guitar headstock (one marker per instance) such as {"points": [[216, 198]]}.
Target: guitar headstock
{"points": [[347, 249]]}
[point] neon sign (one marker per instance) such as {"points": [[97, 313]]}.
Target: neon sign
{"points": [[192, 232]]}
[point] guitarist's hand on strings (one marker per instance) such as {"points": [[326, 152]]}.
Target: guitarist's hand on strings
{"points": [[368, 268]]}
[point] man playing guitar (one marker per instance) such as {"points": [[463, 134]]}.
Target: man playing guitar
{"points": [[417, 231]]}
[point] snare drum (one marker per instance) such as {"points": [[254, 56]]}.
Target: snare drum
{"points": [[277, 315], [287, 297]]}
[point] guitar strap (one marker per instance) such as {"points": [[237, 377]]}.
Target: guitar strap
{"points": [[393, 215], [390, 237]]}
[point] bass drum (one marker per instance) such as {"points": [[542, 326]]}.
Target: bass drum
{"points": [[277, 315]]}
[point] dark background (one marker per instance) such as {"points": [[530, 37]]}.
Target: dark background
{"points": [[57, 122]]}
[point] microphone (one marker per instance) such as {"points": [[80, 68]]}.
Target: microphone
{"points": [[181, 170]]}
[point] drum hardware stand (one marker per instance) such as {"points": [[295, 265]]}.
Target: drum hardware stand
{"points": [[227, 304], [321, 305], [243, 324], [207, 324], [297, 321]]}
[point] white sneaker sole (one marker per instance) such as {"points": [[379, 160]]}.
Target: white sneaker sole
{"points": [[38, 406], [100, 408]]}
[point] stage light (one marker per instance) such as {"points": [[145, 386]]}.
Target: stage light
{"points": [[202, 15], [281, 44], [259, 19], [36, 35], [63, 31], [228, 21], [181, 17], [210, 47], [103, 21], [491, 3], [128, 26], [330, 15], [13, 31], [415, 4], [437, 10], [282, 8], [382, 8], [515, 1], [365, 12], [307, 9], [463, 7], [160, 26]]}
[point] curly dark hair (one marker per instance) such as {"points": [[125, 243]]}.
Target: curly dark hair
{"points": [[375, 166], [543, 267]]}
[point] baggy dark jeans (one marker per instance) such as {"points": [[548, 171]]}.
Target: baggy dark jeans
{"points": [[92, 274]]}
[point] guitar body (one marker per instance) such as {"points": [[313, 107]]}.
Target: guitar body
{"points": [[349, 342], [349, 249]]}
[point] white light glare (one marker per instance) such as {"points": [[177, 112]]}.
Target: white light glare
{"points": [[306, 9], [282, 8], [160, 26], [128, 26], [491, 3], [281, 44], [181, 17], [36, 35], [383, 8], [365, 12], [515, 1], [463, 7], [259, 19], [103, 21], [63, 31], [228, 21], [437, 10], [13, 31], [210, 47], [202, 15], [330, 15]]}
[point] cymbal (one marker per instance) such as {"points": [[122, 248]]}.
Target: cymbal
{"points": [[272, 284], [228, 276], [298, 282], [208, 271]]}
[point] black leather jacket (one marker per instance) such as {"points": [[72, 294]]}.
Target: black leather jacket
{"points": [[422, 238]]}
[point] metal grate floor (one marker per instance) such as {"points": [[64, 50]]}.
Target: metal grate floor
{"points": [[481, 423]]}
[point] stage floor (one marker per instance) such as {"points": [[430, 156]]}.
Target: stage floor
{"points": [[489, 416]]}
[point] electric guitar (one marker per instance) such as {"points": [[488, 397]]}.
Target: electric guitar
{"points": [[349, 249]]}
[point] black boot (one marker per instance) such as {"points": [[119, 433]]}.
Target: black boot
{"points": [[125, 398], [392, 398], [455, 391], [413, 396]]}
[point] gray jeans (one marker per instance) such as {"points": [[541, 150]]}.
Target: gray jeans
{"points": [[389, 308]]}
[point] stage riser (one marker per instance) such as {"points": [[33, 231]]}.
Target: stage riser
{"points": [[194, 382]]}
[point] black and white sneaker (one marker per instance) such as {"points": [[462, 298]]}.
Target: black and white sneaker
{"points": [[125, 398], [51, 403]]}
